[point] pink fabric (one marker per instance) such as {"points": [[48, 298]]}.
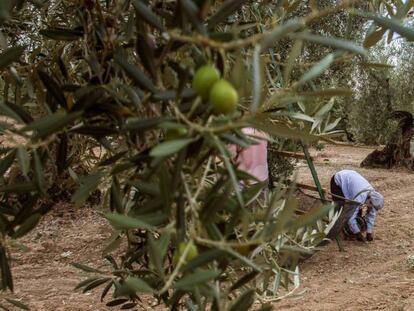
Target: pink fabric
{"points": [[253, 159]]}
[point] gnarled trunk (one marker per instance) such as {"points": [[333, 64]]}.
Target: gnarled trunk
{"points": [[397, 151]]}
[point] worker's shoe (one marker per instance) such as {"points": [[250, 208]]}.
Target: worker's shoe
{"points": [[360, 237], [370, 238]]}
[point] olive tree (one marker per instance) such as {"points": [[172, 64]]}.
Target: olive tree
{"points": [[124, 77]]}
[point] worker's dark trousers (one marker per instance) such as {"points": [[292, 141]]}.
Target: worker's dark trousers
{"points": [[347, 211]]}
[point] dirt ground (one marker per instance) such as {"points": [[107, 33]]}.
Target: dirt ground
{"points": [[372, 276]]}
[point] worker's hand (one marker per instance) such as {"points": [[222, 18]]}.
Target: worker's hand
{"points": [[360, 237], [370, 238]]}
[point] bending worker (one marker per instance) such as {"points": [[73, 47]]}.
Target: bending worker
{"points": [[352, 186]]}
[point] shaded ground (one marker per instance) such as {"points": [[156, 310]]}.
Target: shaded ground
{"points": [[367, 277], [44, 277]]}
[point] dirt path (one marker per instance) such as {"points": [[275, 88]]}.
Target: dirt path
{"points": [[366, 277], [44, 277]]}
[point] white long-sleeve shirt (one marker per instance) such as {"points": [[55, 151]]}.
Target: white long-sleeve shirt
{"points": [[356, 188]]}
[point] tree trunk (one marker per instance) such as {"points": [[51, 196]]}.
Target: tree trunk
{"points": [[397, 150]]}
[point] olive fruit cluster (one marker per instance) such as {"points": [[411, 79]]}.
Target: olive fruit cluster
{"points": [[220, 93]]}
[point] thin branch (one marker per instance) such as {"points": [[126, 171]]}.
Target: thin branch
{"points": [[176, 271], [256, 38]]}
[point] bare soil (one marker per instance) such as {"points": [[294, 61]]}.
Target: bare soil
{"points": [[373, 276]]}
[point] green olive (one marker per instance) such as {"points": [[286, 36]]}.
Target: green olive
{"points": [[204, 79], [175, 133], [192, 252], [223, 97]]}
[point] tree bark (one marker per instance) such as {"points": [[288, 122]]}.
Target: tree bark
{"points": [[397, 150]]}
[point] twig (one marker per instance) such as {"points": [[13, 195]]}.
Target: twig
{"points": [[223, 244], [295, 155], [200, 184], [177, 269], [205, 129], [205, 41], [264, 299], [254, 39]]}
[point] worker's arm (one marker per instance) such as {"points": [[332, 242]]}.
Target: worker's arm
{"points": [[370, 219], [352, 222]]}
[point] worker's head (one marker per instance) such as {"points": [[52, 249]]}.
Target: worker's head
{"points": [[375, 200]]}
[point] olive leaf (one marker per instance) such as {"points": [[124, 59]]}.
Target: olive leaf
{"points": [[11, 55]]}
